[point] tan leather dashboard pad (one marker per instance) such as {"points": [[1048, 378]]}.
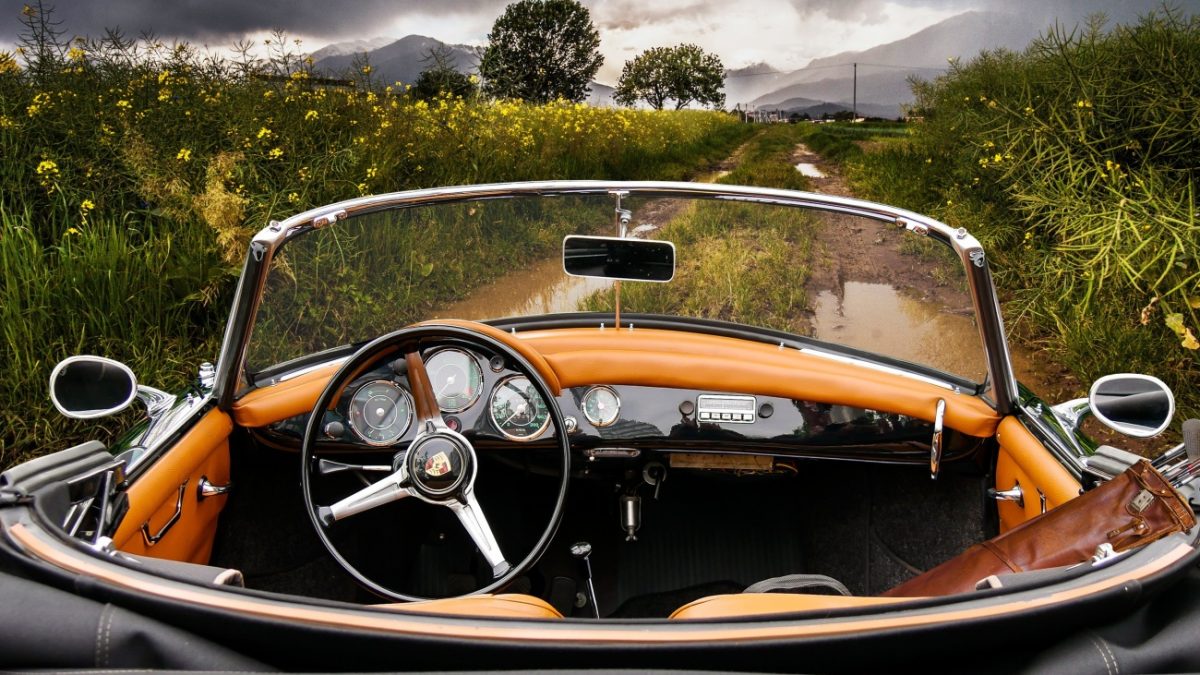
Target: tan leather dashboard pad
{"points": [[664, 358]]}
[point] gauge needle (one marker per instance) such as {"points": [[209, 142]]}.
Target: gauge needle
{"points": [[449, 383], [520, 411]]}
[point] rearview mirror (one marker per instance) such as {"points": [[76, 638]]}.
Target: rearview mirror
{"points": [[1135, 405], [617, 258], [86, 387]]}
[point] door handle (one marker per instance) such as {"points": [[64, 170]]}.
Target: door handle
{"points": [[152, 539], [1013, 494], [207, 488]]}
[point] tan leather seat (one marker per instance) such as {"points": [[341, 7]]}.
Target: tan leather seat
{"points": [[755, 604], [508, 605]]}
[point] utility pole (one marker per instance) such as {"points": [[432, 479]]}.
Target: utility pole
{"points": [[855, 104]]}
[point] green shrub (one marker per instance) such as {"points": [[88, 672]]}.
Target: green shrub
{"points": [[1075, 163]]}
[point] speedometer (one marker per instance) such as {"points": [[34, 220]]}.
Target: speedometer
{"points": [[517, 410], [380, 412], [456, 378]]}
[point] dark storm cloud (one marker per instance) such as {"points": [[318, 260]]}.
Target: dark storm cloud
{"points": [[218, 20]]}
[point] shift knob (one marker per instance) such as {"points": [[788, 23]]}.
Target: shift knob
{"points": [[581, 550]]}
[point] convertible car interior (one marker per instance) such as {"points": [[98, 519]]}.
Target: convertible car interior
{"points": [[596, 469]]}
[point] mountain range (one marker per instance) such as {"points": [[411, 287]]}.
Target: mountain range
{"points": [[824, 85]]}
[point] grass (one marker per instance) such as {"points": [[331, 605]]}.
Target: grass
{"points": [[133, 173], [1075, 163], [736, 262]]}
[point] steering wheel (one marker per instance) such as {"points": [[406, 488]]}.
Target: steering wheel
{"points": [[440, 465]]}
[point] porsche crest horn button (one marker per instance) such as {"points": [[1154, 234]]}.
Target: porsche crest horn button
{"points": [[437, 464]]}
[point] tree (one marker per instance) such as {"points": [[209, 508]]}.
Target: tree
{"points": [[684, 74], [541, 50], [441, 76]]}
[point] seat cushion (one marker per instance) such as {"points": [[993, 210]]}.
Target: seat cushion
{"points": [[754, 604], [508, 605]]}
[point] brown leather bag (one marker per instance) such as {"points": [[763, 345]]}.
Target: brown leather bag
{"points": [[1133, 509]]}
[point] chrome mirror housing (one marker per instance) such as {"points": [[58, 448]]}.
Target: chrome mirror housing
{"points": [[1135, 405], [87, 387]]}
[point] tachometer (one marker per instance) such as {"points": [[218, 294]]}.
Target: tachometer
{"points": [[601, 406], [517, 410], [456, 378], [380, 412]]}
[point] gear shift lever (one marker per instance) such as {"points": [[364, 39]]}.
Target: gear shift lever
{"points": [[583, 551]]}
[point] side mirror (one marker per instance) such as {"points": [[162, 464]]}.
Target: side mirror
{"points": [[618, 258], [87, 387], [1135, 405]]}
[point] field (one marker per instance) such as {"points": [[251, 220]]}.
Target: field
{"points": [[132, 176], [1075, 163]]}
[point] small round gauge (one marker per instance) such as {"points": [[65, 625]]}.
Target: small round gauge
{"points": [[380, 412], [601, 405], [456, 378], [517, 410]]}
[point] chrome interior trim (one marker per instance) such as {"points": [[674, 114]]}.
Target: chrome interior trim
{"points": [[841, 358]]}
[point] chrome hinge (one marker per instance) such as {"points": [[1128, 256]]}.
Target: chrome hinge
{"points": [[935, 446], [327, 219]]}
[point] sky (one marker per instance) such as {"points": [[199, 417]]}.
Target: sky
{"points": [[784, 33]]}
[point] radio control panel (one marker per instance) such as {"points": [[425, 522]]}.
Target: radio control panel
{"points": [[726, 409]]}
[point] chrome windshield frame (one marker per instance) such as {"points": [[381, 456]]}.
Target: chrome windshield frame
{"points": [[1000, 384]]}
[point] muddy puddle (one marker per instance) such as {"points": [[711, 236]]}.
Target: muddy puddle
{"points": [[540, 289], [878, 318], [809, 169]]}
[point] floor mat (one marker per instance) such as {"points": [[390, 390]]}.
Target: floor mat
{"points": [[708, 528]]}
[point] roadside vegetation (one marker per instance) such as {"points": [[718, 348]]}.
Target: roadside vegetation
{"points": [[1075, 162], [132, 175], [735, 262]]}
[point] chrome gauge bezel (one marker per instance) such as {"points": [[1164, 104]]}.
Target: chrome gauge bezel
{"points": [[474, 362], [496, 424], [404, 394], [599, 424]]}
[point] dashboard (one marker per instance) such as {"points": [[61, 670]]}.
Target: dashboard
{"points": [[486, 399]]}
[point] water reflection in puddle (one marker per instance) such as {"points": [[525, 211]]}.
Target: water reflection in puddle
{"points": [[542, 289], [809, 169], [878, 318]]}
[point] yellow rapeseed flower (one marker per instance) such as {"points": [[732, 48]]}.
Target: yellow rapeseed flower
{"points": [[310, 115], [264, 132], [87, 205], [293, 197], [47, 167], [275, 153], [997, 158], [372, 172], [123, 104], [71, 231], [184, 155]]}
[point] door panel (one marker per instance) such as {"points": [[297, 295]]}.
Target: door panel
{"points": [[1025, 462], [170, 487]]}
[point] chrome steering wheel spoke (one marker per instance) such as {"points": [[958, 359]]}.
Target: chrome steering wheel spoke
{"points": [[384, 491], [467, 508]]}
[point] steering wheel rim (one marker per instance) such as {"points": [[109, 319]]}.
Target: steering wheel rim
{"points": [[411, 477]]}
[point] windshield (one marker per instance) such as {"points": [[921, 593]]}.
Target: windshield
{"points": [[840, 279]]}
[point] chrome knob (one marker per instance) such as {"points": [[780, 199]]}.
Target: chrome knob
{"points": [[1013, 494], [207, 488]]}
